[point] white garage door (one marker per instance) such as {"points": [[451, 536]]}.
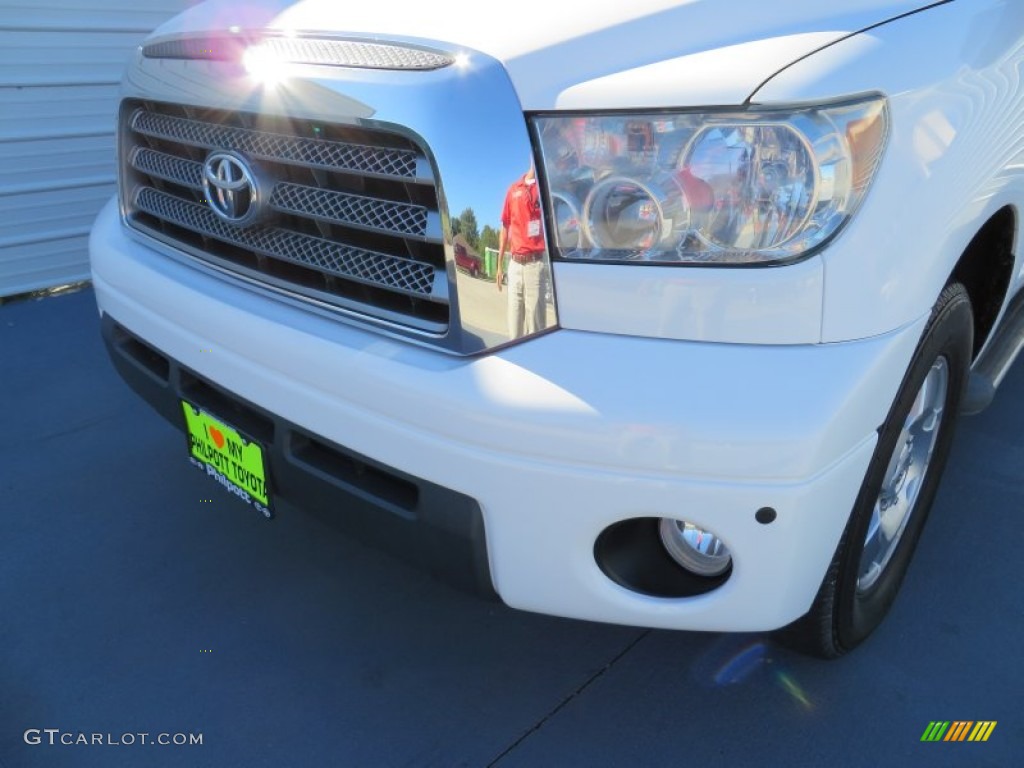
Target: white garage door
{"points": [[60, 65]]}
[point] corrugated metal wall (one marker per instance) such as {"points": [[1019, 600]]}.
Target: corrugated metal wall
{"points": [[60, 65]]}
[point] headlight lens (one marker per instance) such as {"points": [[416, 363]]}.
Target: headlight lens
{"points": [[730, 187]]}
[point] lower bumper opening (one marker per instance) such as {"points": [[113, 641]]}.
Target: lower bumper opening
{"points": [[427, 525]]}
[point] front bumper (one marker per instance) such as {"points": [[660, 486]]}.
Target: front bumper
{"points": [[558, 437], [433, 527]]}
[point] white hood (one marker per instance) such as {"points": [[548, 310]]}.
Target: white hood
{"points": [[589, 55]]}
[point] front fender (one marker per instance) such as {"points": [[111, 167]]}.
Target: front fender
{"points": [[955, 154]]}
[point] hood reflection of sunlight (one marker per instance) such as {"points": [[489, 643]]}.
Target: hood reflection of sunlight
{"points": [[264, 65]]}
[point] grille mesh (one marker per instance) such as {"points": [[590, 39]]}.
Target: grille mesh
{"points": [[350, 209], [168, 167], [404, 275], [355, 210], [277, 147]]}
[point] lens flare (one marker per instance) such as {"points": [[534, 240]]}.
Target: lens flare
{"points": [[741, 666], [730, 660], [790, 686]]}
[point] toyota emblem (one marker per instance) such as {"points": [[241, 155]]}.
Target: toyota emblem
{"points": [[231, 188]]}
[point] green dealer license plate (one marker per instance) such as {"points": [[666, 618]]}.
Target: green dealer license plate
{"points": [[228, 456]]}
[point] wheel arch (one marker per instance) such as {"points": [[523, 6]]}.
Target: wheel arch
{"points": [[985, 269]]}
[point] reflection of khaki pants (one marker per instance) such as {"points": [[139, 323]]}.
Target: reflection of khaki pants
{"points": [[526, 311]]}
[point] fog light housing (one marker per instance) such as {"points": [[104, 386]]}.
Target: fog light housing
{"points": [[697, 550]]}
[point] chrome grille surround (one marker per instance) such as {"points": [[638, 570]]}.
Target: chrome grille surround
{"points": [[361, 54], [465, 121], [352, 220]]}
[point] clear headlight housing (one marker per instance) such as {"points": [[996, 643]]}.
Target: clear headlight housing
{"points": [[735, 187]]}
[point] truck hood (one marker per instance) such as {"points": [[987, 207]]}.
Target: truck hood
{"points": [[646, 53]]}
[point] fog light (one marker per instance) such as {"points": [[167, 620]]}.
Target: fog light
{"points": [[697, 550]]}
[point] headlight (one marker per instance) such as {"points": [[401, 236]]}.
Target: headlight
{"points": [[729, 187]]}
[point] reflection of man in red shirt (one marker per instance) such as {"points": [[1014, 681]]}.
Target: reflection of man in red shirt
{"points": [[522, 237]]}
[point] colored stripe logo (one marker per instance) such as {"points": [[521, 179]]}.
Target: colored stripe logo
{"points": [[959, 730]]}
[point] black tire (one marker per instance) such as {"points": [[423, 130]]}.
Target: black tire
{"points": [[843, 615]]}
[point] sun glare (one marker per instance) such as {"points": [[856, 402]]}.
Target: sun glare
{"points": [[264, 65]]}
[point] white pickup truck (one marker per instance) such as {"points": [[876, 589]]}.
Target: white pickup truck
{"points": [[656, 313]]}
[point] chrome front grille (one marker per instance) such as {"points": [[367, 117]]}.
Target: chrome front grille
{"points": [[350, 217]]}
